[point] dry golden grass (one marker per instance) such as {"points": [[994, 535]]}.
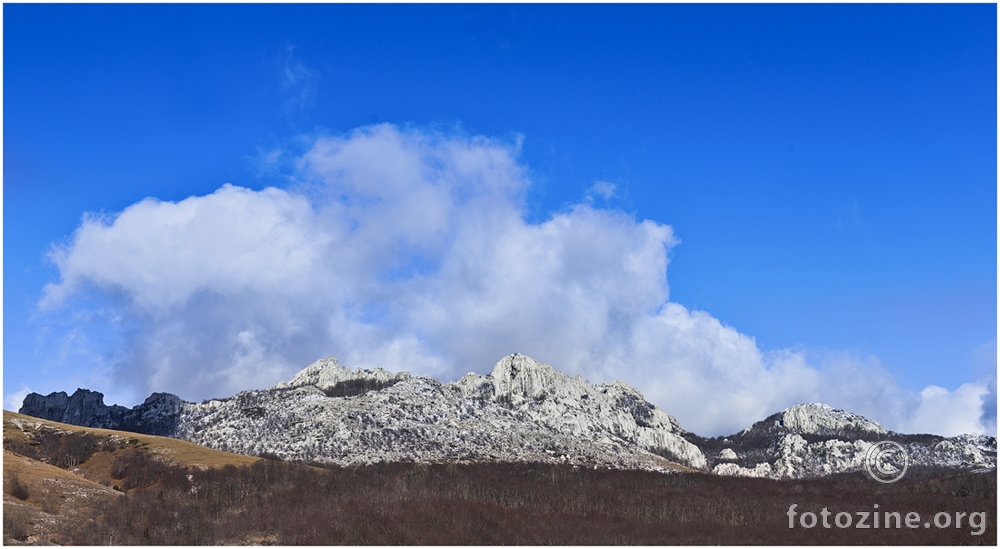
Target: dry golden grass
{"points": [[60, 502], [21, 428]]}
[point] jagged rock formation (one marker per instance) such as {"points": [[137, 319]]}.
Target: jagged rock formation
{"points": [[158, 415], [809, 440], [571, 406], [522, 411]]}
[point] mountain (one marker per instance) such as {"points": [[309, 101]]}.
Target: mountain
{"points": [[809, 440], [523, 411]]}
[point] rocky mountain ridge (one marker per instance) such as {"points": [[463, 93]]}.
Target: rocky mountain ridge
{"points": [[522, 411], [810, 440], [158, 415]]}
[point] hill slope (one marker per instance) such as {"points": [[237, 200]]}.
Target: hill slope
{"points": [[57, 476]]}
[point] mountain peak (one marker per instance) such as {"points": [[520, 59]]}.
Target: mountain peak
{"points": [[822, 419], [329, 376], [518, 376]]}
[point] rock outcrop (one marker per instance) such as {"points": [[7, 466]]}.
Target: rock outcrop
{"points": [[158, 415], [820, 419], [571, 406]]}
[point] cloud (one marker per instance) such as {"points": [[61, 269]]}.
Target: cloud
{"points": [[950, 412], [988, 419], [410, 250], [984, 359], [159, 254], [14, 400], [603, 189], [298, 82]]}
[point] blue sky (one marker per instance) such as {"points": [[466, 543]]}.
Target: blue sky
{"points": [[827, 173]]}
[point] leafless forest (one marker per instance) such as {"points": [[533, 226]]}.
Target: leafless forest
{"points": [[275, 502]]}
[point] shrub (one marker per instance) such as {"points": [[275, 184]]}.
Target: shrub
{"points": [[17, 488], [14, 529]]}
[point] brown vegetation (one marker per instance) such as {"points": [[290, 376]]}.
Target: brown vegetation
{"points": [[22, 430], [273, 502], [45, 504], [57, 477], [532, 504]]}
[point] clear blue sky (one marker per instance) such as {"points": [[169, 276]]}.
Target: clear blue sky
{"points": [[829, 170]]}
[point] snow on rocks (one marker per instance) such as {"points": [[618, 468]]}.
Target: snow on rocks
{"points": [[327, 375], [761, 470], [574, 407], [810, 440], [820, 419], [727, 454], [522, 411]]}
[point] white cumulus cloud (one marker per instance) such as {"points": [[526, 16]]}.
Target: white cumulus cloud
{"points": [[949, 412], [410, 250], [14, 399]]}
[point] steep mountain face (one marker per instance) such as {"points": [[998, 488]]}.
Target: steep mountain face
{"points": [[158, 415], [522, 411]]}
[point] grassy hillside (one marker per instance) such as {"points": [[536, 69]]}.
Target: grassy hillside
{"points": [[45, 504], [59, 477], [19, 428], [67, 484]]}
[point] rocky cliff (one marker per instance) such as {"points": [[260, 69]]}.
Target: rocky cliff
{"points": [[158, 415]]}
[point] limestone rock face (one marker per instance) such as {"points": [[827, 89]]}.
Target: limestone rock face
{"points": [[83, 407], [571, 406], [332, 378], [522, 411], [52, 407], [158, 415], [820, 419]]}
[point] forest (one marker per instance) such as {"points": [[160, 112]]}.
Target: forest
{"points": [[276, 502]]}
